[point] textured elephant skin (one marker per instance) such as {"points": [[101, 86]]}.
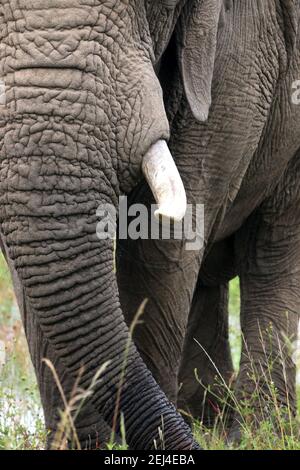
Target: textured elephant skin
{"points": [[89, 87]]}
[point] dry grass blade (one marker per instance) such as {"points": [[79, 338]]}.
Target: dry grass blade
{"points": [[66, 429]]}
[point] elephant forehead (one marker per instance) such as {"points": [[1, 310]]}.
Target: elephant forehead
{"points": [[72, 58], [57, 13], [65, 33]]}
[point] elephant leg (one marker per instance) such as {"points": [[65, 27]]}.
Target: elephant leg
{"points": [[206, 364], [91, 429], [160, 335], [165, 274], [269, 250]]}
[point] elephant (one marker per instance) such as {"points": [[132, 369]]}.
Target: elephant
{"points": [[94, 91]]}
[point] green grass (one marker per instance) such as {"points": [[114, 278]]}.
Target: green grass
{"points": [[21, 418]]}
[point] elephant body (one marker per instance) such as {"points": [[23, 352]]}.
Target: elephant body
{"points": [[90, 87]]}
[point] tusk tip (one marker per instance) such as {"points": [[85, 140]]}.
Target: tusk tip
{"points": [[168, 212]]}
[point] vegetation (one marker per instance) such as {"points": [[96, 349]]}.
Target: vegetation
{"points": [[21, 417]]}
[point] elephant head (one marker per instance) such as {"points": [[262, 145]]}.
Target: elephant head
{"points": [[84, 116]]}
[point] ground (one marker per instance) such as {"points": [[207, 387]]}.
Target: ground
{"points": [[21, 417]]}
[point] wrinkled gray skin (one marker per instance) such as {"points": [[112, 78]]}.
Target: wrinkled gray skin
{"points": [[83, 106]]}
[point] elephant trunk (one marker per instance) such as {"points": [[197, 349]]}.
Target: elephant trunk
{"points": [[63, 130], [70, 285], [48, 219]]}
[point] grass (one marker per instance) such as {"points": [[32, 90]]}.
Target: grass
{"points": [[21, 417]]}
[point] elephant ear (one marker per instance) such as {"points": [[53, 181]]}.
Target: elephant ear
{"points": [[197, 51]]}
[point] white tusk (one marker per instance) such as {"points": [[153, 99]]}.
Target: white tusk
{"points": [[165, 182]]}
